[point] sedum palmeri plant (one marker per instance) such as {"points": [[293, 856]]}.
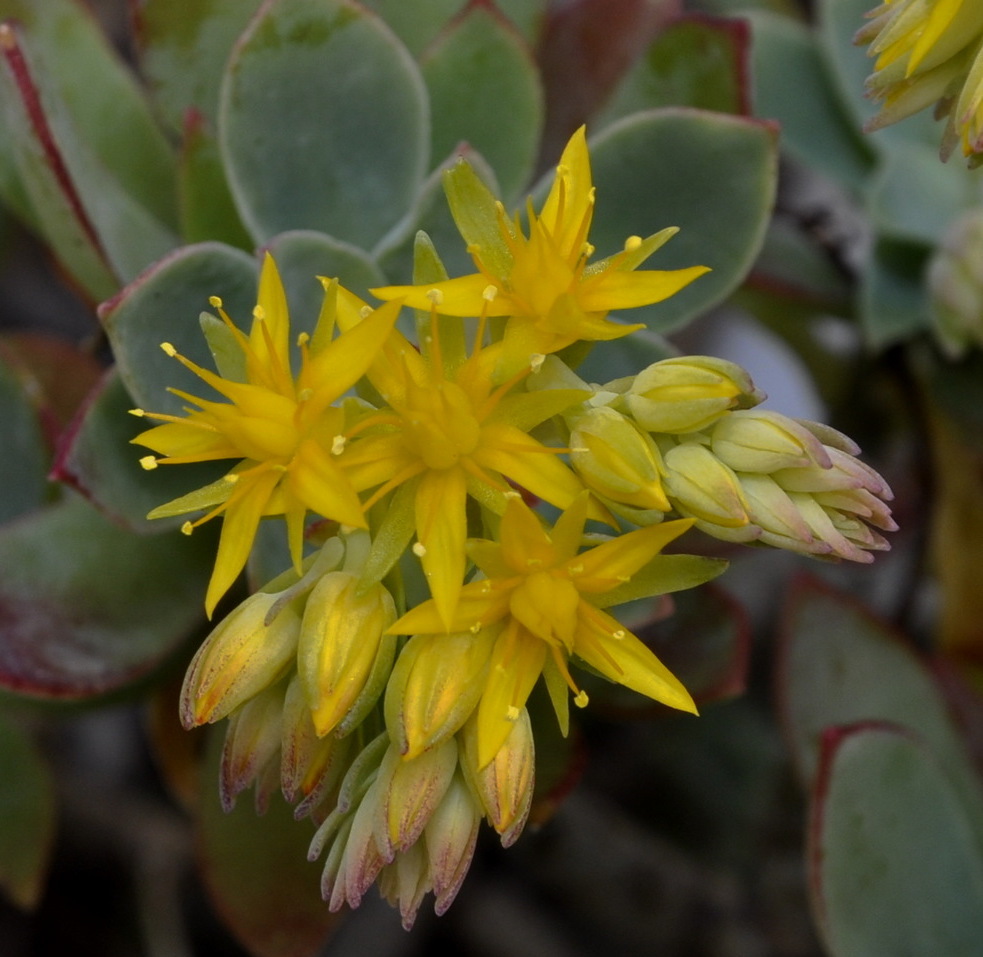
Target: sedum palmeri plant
{"points": [[396, 747]]}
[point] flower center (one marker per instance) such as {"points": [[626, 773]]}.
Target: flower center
{"points": [[440, 425]]}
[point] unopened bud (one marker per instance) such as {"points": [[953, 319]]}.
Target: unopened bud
{"points": [[617, 460], [344, 653], [242, 656], [689, 393], [252, 742], [955, 283], [450, 837], [759, 440], [701, 486]]}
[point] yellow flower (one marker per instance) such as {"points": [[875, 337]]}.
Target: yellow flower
{"points": [[929, 51], [280, 428], [542, 282], [448, 432], [545, 599]]}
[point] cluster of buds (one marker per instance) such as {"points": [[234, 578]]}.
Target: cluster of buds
{"points": [[929, 52], [687, 436], [381, 682]]}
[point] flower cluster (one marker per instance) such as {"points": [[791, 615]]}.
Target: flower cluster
{"points": [[480, 510], [929, 52]]}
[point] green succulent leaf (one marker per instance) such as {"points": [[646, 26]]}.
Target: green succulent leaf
{"points": [[25, 459], [416, 24], [257, 873], [206, 206], [303, 255], [895, 865], [710, 174], [696, 61], [893, 299], [485, 91], [27, 815], [113, 605], [97, 459], [183, 46], [163, 305], [839, 665], [323, 123], [792, 85]]}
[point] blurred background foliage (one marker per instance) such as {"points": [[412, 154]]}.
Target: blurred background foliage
{"points": [[828, 800]]}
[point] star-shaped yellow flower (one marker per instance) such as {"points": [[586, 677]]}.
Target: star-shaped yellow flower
{"points": [[543, 282], [447, 433], [545, 599], [280, 427]]}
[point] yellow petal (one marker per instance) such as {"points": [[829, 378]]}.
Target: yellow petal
{"points": [[318, 481], [272, 300], [461, 296], [442, 529], [614, 289]]}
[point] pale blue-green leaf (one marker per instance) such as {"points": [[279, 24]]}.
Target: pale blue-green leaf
{"points": [[163, 305], [485, 91], [791, 84], [323, 123], [87, 607], [895, 865], [710, 174], [893, 298], [96, 458]]}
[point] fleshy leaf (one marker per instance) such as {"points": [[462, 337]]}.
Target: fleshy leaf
{"points": [[912, 197], [485, 90], [313, 136], [839, 665], [101, 224], [792, 85], [206, 206], [112, 607], [163, 305], [183, 46], [303, 255], [697, 61], [257, 873], [895, 865], [97, 459], [694, 170], [893, 299], [416, 24], [24, 463], [27, 816]]}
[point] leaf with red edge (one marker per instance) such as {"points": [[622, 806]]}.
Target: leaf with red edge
{"points": [[584, 49], [257, 873], [56, 375], [96, 458], [697, 61], [838, 664], [895, 860], [702, 636], [27, 816], [24, 464], [87, 608]]}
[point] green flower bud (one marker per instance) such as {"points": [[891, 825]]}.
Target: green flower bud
{"points": [[435, 685], [243, 655], [617, 460], [689, 393], [450, 835], [343, 644], [759, 440], [701, 486]]}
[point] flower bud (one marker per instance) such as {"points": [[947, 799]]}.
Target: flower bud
{"points": [[243, 655], [450, 835], [435, 685], [781, 524], [505, 784], [955, 284], [405, 882], [252, 742], [409, 791], [700, 485], [617, 460], [689, 393], [344, 653], [759, 440]]}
